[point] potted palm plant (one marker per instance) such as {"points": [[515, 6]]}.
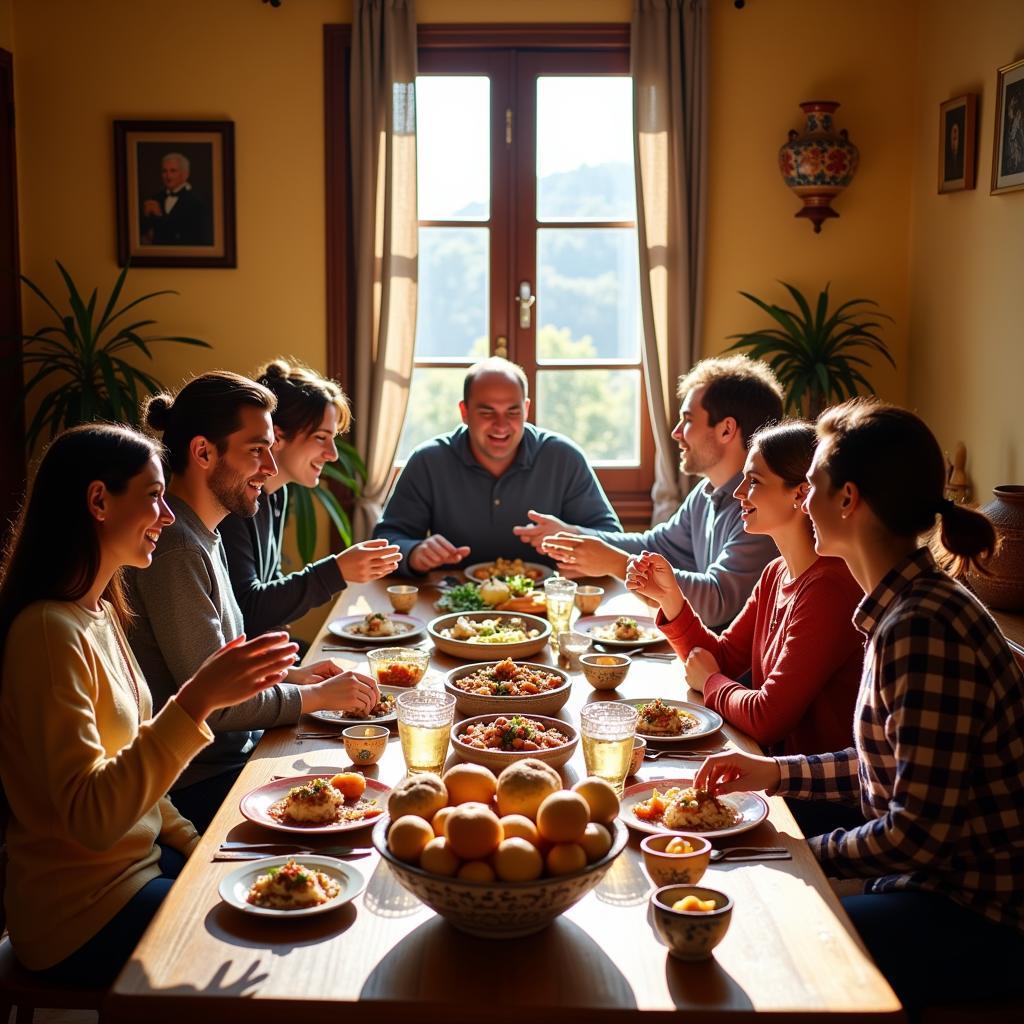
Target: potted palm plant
{"points": [[818, 355]]}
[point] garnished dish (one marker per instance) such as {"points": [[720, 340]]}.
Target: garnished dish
{"points": [[515, 594], [380, 624], [507, 679], [498, 630], [316, 804], [513, 733], [383, 712], [489, 635], [377, 628], [675, 805], [507, 568], [656, 718], [625, 630], [292, 886], [621, 630]]}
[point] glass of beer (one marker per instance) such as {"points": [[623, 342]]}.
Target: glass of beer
{"points": [[608, 728], [559, 596], [424, 723]]}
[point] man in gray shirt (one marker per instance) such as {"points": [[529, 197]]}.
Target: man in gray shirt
{"points": [[460, 494], [218, 435], [724, 402]]}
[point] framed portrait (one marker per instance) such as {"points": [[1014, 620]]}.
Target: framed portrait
{"points": [[957, 135], [1008, 146], [175, 184]]}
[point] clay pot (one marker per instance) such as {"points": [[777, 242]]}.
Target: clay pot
{"points": [[1003, 587]]}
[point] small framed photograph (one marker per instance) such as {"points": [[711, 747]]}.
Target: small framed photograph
{"points": [[1008, 147], [175, 183], [957, 135]]}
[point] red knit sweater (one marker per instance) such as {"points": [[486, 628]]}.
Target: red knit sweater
{"points": [[805, 667]]}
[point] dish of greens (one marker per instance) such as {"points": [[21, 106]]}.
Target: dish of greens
{"points": [[474, 597]]}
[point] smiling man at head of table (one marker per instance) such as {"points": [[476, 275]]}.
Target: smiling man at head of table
{"points": [[461, 493]]}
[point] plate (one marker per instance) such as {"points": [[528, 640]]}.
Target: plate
{"points": [[478, 571], [587, 624], [344, 718], [255, 805], [235, 885], [752, 807], [471, 650], [710, 721], [343, 628]]}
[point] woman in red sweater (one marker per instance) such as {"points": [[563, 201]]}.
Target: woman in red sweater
{"points": [[795, 635]]}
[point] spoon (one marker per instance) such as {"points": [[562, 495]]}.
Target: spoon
{"points": [[752, 853], [684, 755]]}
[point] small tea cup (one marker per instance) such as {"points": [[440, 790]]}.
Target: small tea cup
{"points": [[365, 744], [588, 599], [604, 671], [675, 868], [403, 597], [690, 934], [637, 757]]}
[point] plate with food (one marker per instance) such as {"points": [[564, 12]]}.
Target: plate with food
{"points": [[672, 721], [316, 804], [515, 594], [505, 686], [383, 713], [507, 568], [294, 886], [673, 805], [377, 628], [487, 636], [495, 741], [620, 630]]}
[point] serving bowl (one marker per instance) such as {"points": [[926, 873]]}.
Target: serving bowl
{"points": [[675, 868], [689, 934], [499, 910], [398, 666], [605, 671], [496, 760], [546, 703], [473, 650]]}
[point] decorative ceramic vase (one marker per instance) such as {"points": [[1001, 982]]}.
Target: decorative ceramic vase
{"points": [[1003, 585], [818, 164]]}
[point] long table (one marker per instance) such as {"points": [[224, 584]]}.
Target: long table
{"points": [[790, 952]]}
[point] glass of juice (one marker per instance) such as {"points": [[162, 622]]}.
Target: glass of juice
{"points": [[559, 596], [424, 723], [607, 729]]}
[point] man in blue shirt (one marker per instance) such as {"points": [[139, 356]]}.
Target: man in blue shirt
{"points": [[724, 402], [461, 493]]}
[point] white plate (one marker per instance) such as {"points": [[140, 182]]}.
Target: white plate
{"points": [[255, 805], [710, 721], [346, 718], [343, 628], [587, 624], [235, 886], [477, 573], [753, 808]]}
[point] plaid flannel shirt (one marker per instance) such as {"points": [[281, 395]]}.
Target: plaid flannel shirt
{"points": [[938, 765]]}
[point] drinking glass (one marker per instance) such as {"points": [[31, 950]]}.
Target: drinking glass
{"points": [[559, 595], [608, 728], [424, 724]]}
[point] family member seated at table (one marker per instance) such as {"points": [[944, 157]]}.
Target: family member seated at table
{"points": [[938, 764], [92, 840], [310, 412], [461, 494], [795, 636], [724, 401], [218, 434]]}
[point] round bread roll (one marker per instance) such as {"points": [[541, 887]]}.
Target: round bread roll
{"points": [[423, 795], [523, 785]]}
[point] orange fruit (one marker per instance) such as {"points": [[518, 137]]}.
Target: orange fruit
{"points": [[562, 817], [422, 794], [351, 785], [596, 841], [516, 860], [469, 783], [601, 799], [408, 836], [473, 831], [518, 826], [476, 871], [524, 784], [439, 819], [438, 859], [565, 858]]}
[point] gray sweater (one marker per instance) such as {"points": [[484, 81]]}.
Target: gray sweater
{"points": [[185, 610]]}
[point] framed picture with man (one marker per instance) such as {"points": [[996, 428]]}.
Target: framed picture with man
{"points": [[957, 135], [1008, 138], [175, 184]]}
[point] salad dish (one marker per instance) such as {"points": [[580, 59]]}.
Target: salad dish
{"points": [[505, 568], [514, 594]]}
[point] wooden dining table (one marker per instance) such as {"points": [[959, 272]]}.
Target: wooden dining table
{"points": [[790, 952]]}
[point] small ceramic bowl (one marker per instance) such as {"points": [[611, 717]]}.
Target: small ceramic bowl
{"points": [[675, 868], [403, 597], [690, 934], [365, 744], [398, 666], [605, 671], [588, 599], [637, 758]]}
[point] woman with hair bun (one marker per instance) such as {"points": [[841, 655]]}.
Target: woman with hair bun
{"points": [[934, 880], [311, 411]]}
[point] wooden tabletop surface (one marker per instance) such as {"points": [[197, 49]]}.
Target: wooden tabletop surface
{"points": [[790, 949]]}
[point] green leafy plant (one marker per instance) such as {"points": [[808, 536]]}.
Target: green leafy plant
{"points": [[94, 381], [350, 471], [817, 355]]}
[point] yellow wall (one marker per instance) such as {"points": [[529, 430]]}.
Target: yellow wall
{"points": [[967, 298], [6, 25]]}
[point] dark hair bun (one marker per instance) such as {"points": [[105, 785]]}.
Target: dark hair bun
{"points": [[275, 370], [157, 411]]}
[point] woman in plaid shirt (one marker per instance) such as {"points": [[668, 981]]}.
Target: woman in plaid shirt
{"points": [[938, 762]]}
